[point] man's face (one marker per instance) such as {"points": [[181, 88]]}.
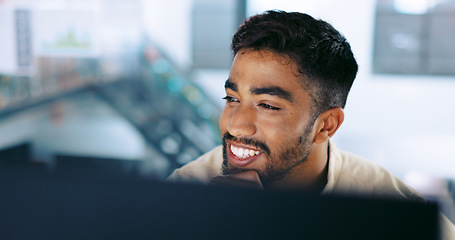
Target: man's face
{"points": [[266, 123]]}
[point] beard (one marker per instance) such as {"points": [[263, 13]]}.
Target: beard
{"points": [[278, 163]]}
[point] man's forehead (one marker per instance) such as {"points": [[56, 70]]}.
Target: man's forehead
{"points": [[266, 72], [266, 59]]}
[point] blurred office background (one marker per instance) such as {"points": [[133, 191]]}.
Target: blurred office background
{"points": [[135, 86]]}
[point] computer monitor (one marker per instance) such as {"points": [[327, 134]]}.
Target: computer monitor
{"points": [[43, 205]]}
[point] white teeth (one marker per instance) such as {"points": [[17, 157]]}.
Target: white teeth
{"points": [[234, 150], [243, 152], [240, 152]]}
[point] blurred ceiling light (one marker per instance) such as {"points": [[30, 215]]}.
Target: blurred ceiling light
{"points": [[413, 6]]}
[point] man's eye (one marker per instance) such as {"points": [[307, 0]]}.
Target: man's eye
{"points": [[264, 105], [230, 99]]}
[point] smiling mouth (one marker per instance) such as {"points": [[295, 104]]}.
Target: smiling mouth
{"points": [[241, 156], [244, 153]]}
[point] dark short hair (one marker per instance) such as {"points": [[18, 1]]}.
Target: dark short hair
{"points": [[321, 53]]}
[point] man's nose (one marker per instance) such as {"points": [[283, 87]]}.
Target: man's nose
{"points": [[243, 122]]}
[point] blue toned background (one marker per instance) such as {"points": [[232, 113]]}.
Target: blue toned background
{"points": [[137, 85]]}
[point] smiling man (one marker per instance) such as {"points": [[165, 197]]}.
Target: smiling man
{"points": [[285, 95]]}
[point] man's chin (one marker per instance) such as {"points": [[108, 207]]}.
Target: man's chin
{"points": [[229, 168]]}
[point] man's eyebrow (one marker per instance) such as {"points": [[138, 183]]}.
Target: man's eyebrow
{"points": [[274, 91], [230, 85]]}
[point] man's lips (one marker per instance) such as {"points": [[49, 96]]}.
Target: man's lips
{"points": [[241, 155]]}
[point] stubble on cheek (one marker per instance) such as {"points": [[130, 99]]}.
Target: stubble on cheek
{"points": [[288, 158]]}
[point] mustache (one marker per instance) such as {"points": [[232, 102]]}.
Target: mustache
{"points": [[247, 141]]}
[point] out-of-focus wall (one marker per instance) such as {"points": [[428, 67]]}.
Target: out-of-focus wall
{"points": [[168, 24]]}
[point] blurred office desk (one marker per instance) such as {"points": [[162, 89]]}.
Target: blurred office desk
{"points": [[37, 204]]}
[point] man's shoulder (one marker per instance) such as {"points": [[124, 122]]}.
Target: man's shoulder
{"points": [[358, 175], [200, 170]]}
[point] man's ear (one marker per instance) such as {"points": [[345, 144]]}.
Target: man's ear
{"points": [[328, 123]]}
